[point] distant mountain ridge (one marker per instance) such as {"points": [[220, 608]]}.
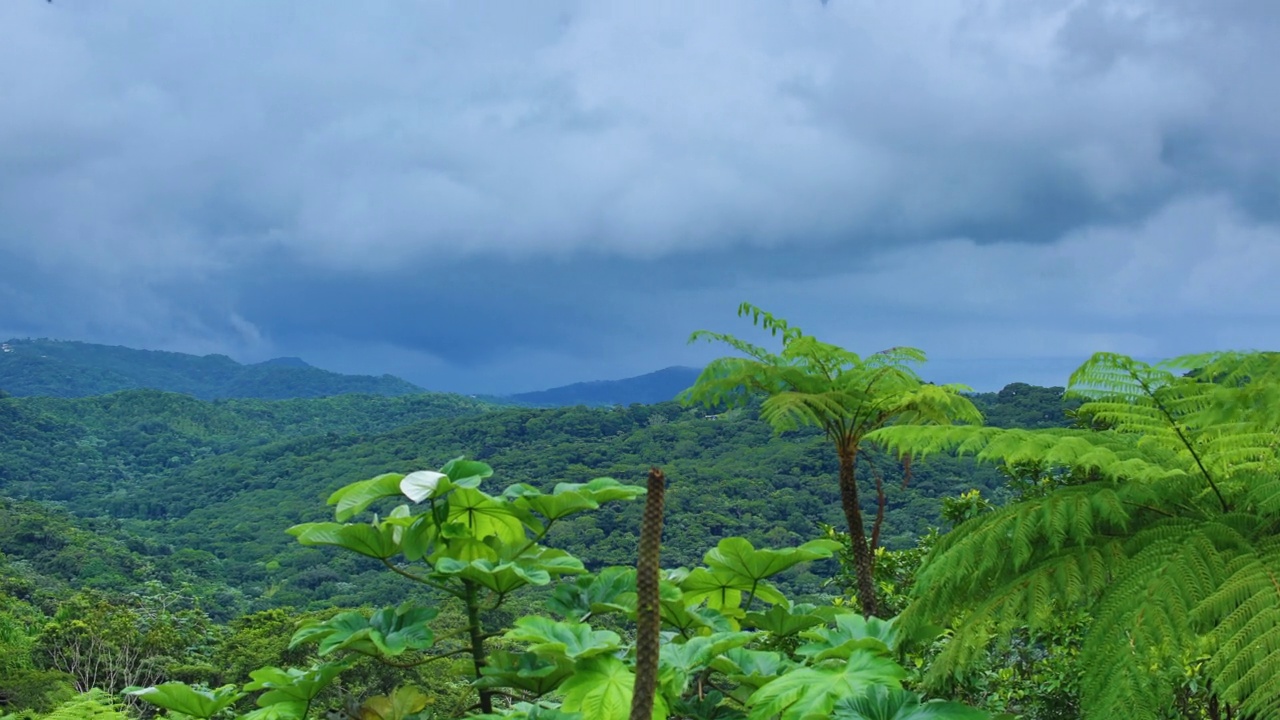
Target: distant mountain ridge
{"points": [[647, 389], [63, 368]]}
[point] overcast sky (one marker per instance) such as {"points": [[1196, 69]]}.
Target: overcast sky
{"points": [[495, 197]]}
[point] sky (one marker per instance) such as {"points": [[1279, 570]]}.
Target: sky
{"points": [[504, 196]]}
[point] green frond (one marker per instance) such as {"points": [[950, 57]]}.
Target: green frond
{"points": [[1117, 376], [1000, 548], [791, 410], [752, 351], [813, 383], [1243, 617], [1074, 576], [1263, 496], [1168, 533]]}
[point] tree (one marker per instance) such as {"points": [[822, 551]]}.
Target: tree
{"points": [[111, 642], [812, 383], [1163, 525]]}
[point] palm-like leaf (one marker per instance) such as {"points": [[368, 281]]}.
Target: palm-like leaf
{"points": [[1167, 534]]}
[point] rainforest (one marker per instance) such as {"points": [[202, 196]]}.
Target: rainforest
{"points": [[804, 532]]}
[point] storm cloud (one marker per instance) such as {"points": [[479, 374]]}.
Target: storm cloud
{"points": [[502, 196]]}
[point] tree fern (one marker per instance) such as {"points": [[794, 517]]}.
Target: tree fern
{"points": [[809, 383], [1166, 532], [92, 705]]}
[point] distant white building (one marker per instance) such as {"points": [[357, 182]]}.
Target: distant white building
{"points": [[6, 347]]}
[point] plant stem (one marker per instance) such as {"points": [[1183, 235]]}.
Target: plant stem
{"points": [[476, 630], [648, 610]]}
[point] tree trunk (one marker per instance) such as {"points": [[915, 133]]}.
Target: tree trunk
{"points": [[863, 560]]}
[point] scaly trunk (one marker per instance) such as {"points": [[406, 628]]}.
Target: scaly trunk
{"points": [[863, 559], [648, 612]]}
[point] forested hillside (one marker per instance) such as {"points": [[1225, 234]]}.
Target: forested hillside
{"points": [[224, 478], [61, 368], [146, 529], [150, 520]]}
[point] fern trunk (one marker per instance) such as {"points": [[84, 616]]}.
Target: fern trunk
{"points": [[648, 613], [863, 559]]}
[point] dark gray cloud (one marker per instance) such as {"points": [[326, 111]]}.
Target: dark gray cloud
{"points": [[498, 196]]}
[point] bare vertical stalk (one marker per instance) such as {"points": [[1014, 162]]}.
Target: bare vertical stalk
{"points": [[648, 612]]}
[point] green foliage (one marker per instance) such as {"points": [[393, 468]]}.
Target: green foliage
{"points": [[403, 703], [180, 698], [567, 667], [810, 383], [203, 487], [76, 369], [1164, 525], [91, 705], [813, 692], [886, 703], [389, 632]]}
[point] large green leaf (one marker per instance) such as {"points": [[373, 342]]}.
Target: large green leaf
{"points": [[682, 661], [485, 516], [601, 689], [525, 671], [572, 640], [402, 704], [679, 616], [724, 589], [751, 669], [416, 539], [277, 711], [500, 577], [374, 541], [594, 594], [887, 703], [402, 628], [553, 507], [187, 700], [530, 711], [602, 490], [735, 555], [851, 632], [354, 498], [810, 693], [344, 631], [782, 621], [462, 471], [389, 632], [293, 685]]}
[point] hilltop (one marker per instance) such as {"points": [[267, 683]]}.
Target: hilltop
{"points": [[648, 389], [61, 368]]}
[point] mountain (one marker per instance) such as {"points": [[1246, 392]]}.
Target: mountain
{"points": [[654, 387], [67, 369]]}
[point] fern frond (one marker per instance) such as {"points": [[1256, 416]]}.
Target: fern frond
{"points": [[1117, 376], [1244, 620], [1173, 543]]}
